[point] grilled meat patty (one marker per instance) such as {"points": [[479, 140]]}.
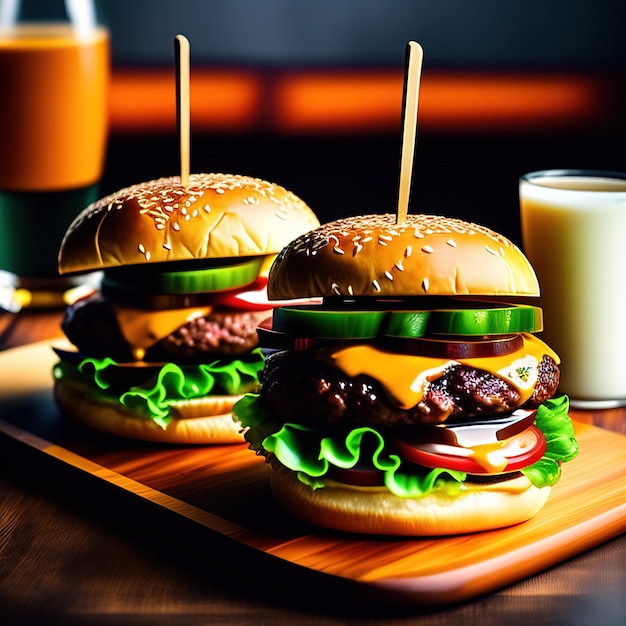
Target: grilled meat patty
{"points": [[298, 386], [91, 325]]}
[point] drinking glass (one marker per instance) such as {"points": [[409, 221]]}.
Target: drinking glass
{"points": [[574, 234], [54, 72]]}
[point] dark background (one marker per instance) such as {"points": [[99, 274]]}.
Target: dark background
{"points": [[470, 173], [454, 33]]}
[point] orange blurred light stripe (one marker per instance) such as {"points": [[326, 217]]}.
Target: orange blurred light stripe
{"points": [[338, 101], [497, 102], [347, 102], [145, 100], [359, 101]]}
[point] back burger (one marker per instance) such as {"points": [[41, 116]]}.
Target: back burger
{"points": [[168, 343]]}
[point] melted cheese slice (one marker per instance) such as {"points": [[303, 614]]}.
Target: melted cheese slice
{"points": [[404, 376], [488, 456], [142, 329]]}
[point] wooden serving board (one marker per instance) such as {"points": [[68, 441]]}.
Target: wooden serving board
{"points": [[224, 491]]}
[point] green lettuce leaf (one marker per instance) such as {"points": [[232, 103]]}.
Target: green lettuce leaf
{"points": [[255, 416], [307, 452], [310, 454], [561, 446], [171, 383]]}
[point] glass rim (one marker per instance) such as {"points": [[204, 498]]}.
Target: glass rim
{"points": [[530, 177]]}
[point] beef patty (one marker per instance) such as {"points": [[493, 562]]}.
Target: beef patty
{"points": [[91, 325], [310, 391]]}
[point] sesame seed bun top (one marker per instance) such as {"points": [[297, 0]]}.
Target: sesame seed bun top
{"points": [[425, 255], [214, 216]]}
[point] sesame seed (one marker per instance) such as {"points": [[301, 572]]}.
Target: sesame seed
{"points": [[428, 249], [357, 248], [389, 275], [335, 288], [385, 237], [451, 243], [350, 290], [195, 213], [408, 251], [142, 248], [425, 284], [367, 239], [176, 226], [338, 250], [382, 242], [376, 285], [418, 234], [491, 251], [400, 265]]}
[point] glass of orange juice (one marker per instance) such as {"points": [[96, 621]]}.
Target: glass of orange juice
{"points": [[54, 72], [574, 234]]}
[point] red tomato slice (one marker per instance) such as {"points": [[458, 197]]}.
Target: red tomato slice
{"points": [[254, 298], [451, 348], [511, 455]]}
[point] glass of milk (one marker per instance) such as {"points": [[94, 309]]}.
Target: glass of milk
{"points": [[574, 234]]}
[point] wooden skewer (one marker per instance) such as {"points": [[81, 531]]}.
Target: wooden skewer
{"points": [[413, 72], [181, 49]]}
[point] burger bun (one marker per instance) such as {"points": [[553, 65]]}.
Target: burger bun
{"points": [[206, 420], [425, 255], [376, 511], [214, 216]]}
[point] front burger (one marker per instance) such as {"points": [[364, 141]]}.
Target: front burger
{"points": [[415, 399], [168, 343]]}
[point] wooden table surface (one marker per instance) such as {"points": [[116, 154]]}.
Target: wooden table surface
{"points": [[71, 560]]}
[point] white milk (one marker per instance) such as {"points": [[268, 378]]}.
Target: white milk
{"points": [[574, 234]]}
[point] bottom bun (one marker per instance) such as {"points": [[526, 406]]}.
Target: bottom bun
{"points": [[204, 421], [374, 510]]}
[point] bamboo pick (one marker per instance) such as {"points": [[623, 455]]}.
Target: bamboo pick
{"points": [[181, 49], [413, 71]]}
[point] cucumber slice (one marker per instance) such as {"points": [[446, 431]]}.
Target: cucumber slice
{"points": [[407, 323], [331, 324], [486, 321], [170, 280], [346, 323]]}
